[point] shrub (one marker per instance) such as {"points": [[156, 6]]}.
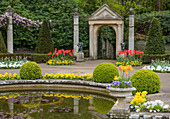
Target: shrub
{"points": [[102, 105], [45, 43], [105, 73], [146, 80], [155, 43], [30, 71], [148, 57], [2, 44]]}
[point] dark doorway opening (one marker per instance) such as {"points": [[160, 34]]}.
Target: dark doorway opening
{"points": [[106, 48]]}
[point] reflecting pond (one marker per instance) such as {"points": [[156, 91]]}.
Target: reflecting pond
{"points": [[54, 105]]}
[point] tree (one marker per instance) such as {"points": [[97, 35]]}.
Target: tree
{"points": [[2, 44], [45, 43], [155, 43]]}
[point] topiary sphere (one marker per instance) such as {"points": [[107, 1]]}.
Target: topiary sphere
{"points": [[146, 80], [105, 73], [30, 70]]}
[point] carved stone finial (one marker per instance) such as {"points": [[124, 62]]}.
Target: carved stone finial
{"points": [[9, 10], [9, 7], [76, 12], [131, 11]]}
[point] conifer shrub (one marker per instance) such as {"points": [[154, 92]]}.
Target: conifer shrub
{"points": [[105, 73], [2, 44], [30, 71], [45, 43], [155, 43], [146, 80]]}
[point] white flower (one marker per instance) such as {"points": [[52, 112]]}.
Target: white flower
{"points": [[137, 110], [150, 110], [158, 110], [165, 106], [154, 111], [136, 106]]}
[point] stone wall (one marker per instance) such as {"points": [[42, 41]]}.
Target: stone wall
{"points": [[140, 45]]}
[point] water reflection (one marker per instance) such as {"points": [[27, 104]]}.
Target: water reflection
{"points": [[54, 105]]}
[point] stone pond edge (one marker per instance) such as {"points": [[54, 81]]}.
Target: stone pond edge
{"points": [[75, 85]]}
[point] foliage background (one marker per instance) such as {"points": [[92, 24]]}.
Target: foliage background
{"points": [[61, 14]]}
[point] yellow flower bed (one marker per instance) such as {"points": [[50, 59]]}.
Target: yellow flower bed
{"points": [[56, 62], [9, 96], [68, 76], [9, 76], [68, 96], [140, 97], [132, 63]]}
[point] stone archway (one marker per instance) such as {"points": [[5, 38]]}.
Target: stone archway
{"points": [[101, 17]]}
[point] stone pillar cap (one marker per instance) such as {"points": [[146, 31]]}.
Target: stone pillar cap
{"points": [[131, 11], [76, 12]]}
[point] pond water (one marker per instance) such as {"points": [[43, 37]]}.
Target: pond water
{"points": [[54, 105]]}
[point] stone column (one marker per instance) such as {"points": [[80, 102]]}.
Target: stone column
{"points": [[91, 107], [11, 107], [76, 31], [10, 32], [131, 29], [91, 43], [118, 47], [76, 105]]}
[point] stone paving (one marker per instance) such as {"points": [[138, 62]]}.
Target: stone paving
{"points": [[88, 67]]}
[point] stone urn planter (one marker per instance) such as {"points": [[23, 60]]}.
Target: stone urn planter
{"points": [[121, 94]]}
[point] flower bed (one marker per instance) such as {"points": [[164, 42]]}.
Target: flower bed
{"points": [[68, 76], [127, 57], [56, 62], [72, 76], [140, 103], [159, 66], [9, 76], [12, 63], [61, 57], [124, 80]]}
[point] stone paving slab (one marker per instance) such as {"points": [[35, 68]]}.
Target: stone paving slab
{"points": [[88, 67]]}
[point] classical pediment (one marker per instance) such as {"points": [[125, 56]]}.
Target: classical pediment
{"points": [[105, 12]]}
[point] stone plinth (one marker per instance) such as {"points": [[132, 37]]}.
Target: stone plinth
{"points": [[121, 105], [80, 57]]}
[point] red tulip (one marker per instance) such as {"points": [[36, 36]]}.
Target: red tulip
{"points": [[61, 58], [49, 53], [71, 54]]}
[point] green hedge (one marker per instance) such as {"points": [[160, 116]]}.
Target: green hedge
{"points": [[148, 57], [39, 58]]}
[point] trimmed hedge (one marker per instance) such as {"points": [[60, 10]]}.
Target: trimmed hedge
{"points": [[30, 71], [39, 58], [105, 73], [2, 44], [148, 57], [155, 43], [146, 80], [45, 42]]}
